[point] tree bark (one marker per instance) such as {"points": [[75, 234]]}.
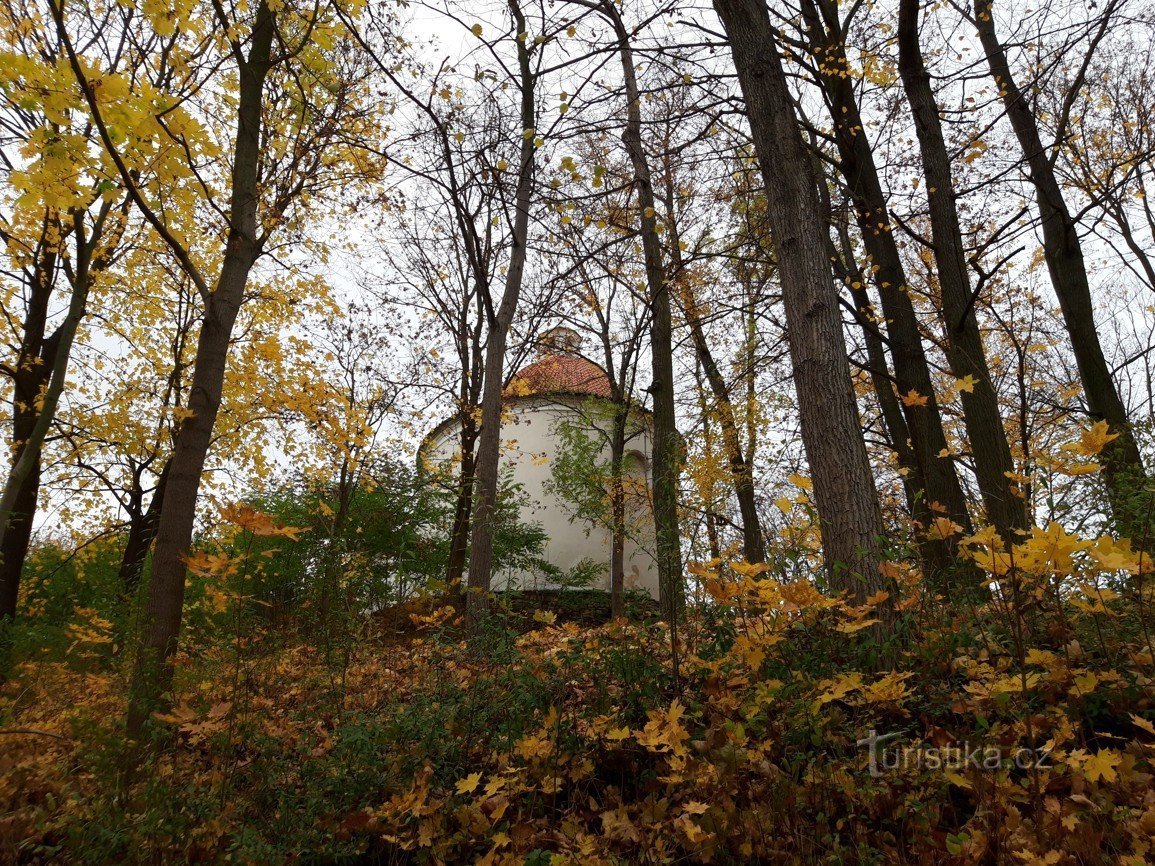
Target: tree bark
{"points": [[141, 534], [937, 476], [152, 674], [964, 346], [846, 500], [1123, 466], [459, 538], [38, 382], [618, 512], [665, 446], [23, 482], [31, 376], [489, 441], [753, 547]]}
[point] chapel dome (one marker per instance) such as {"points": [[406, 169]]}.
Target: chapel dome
{"points": [[559, 374]]}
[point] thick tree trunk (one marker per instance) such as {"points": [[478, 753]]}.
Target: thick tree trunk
{"points": [[1063, 250], [489, 441], [936, 474], [964, 346], [845, 496], [152, 675]]}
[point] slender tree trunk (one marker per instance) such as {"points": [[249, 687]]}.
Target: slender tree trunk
{"points": [[889, 407], [938, 553], [42, 369], [713, 543], [459, 539], [845, 496], [1123, 466], [753, 547], [141, 534], [26, 390], [489, 441], [964, 346], [741, 464], [935, 474], [618, 512], [24, 477], [152, 675], [666, 446]]}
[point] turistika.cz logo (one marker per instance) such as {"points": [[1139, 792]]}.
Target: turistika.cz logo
{"points": [[957, 758]]}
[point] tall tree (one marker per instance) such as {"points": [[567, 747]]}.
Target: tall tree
{"points": [[1123, 466], [683, 280], [62, 233], [844, 491], [500, 321], [994, 466], [936, 476], [666, 448], [312, 108]]}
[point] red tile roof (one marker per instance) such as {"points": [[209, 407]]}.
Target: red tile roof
{"points": [[560, 374]]}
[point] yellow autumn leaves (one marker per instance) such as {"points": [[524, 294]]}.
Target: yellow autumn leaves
{"points": [[1051, 550], [850, 688]]}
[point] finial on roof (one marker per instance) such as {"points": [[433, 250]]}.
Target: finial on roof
{"points": [[559, 341]]}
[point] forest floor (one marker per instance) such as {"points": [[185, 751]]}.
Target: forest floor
{"points": [[406, 738]]}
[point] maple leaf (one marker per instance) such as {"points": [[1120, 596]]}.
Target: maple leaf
{"points": [[1142, 723], [1115, 555], [913, 398], [942, 528], [889, 689], [1092, 440], [855, 625], [836, 688], [469, 784], [1043, 658], [257, 522], [747, 569], [800, 481], [1102, 765], [965, 385]]}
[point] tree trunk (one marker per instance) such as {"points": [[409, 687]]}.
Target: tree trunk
{"points": [[741, 464], [141, 534], [489, 442], [964, 346], [1123, 466], [845, 496], [152, 675], [936, 474], [27, 387], [618, 513], [42, 369], [665, 447], [459, 539], [753, 547], [893, 420], [24, 478]]}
